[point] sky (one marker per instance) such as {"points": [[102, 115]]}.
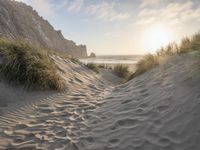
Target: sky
{"points": [[121, 27]]}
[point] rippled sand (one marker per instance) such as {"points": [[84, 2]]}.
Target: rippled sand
{"points": [[156, 111]]}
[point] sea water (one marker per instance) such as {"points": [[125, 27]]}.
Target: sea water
{"points": [[113, 59]]}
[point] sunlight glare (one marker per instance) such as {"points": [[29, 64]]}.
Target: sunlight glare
{"points": [[157, 37]]}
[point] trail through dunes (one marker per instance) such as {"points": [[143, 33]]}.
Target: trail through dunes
{"points": [[156, 111], [50, 120]]}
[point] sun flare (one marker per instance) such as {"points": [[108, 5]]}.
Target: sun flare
{"points": [[156, 37]]}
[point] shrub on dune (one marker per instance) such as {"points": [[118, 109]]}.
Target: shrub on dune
{"points": [[103, 66], [93, 67], [150, 61], [75, 60], [28, 65], [185, 46], [121, 71]]}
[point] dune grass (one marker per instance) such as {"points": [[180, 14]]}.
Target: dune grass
{"points": [[103, 66], [25, 64], [93, 67], [75, 60], [152, 60], [121, 71]]}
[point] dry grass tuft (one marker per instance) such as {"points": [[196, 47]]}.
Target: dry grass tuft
{"points": [[150, 61], [28, 65], [121, 71], [93, 67]]}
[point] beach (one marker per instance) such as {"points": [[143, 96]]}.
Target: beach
{"points": [[157, 110], [110, 61], [99, 75]]}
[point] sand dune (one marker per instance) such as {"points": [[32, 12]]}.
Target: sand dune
{"points": [[155, 111]]}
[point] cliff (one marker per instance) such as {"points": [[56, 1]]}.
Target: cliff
{"points": [[19, 21]]}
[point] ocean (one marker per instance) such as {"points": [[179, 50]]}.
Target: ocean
{"points": [[113, 59]]}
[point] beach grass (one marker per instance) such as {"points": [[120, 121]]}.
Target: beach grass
{"points": [[75, 60], [121, 71], [150, 61], [25, 64], [93, 67]]}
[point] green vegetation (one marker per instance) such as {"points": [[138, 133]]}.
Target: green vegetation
{"points": [[103, 66], [121, 71], [93, 67], [75, 60], [150, 61], [28, 65]]}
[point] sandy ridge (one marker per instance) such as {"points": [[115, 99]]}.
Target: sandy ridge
{"points": [[155, 111]]}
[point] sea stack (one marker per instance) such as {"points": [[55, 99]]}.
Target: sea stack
{"points": [[92, 55]]}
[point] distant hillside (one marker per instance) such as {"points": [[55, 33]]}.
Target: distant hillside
{"points": [[20, 21]]}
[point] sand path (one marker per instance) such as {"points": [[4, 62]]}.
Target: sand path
{"points": [[58, 121], [156, 111], [52, 120]]}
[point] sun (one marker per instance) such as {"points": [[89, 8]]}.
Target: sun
{"points": [[156, 37]]}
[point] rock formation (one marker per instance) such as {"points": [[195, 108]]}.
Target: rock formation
{"points": [[92, 55], [19, 21]]}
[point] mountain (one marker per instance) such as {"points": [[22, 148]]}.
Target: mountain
{"points": [[19, 21]]}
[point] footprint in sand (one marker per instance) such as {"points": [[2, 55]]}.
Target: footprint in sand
{"points": [[113, 141], [20, 126], [46, 109], [126, 101], [157, 122], [43, 105], [164, 142], [144, 93], [162, 108], [156, 83], [61, 109], [143, 105], [198, 96], [127, 122], [3, 104], [61, 132], [18, 139], [139, 110], [152, 136], [65, 103], [78, 80], [89, 139]]}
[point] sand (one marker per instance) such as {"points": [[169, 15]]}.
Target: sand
{"points": [[158, 110]]}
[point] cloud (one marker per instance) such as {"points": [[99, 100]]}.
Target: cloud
{"points": [[18, 0], [72, 5], [112, 35], [145, 3], [24, 1], [75, 5], [44, 7], [106, 11], [174, 13]]}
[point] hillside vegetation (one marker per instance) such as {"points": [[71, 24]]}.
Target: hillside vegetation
{"points": [[152, 60], [25, 64]]}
